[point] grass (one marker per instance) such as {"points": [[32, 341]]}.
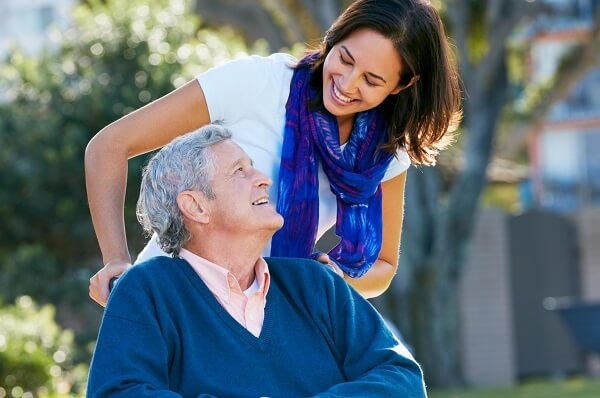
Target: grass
{"points": [[571, 388]]}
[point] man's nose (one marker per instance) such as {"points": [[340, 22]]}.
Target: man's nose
{"points": [[262, 180]]}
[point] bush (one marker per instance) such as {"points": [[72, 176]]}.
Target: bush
{"points": [[118, 55], [35, 353]]}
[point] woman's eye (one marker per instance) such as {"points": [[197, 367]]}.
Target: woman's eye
{"points": [[344, 61], [368, 82]]}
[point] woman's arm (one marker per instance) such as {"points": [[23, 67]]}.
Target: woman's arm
{"points": [[378, 278], [144, 130]]}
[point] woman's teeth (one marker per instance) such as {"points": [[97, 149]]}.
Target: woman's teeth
{"points": [[341, 96]]}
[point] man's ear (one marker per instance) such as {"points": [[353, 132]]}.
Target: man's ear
{"points": [[410, 83], [194, 206]]}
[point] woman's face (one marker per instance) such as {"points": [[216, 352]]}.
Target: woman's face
{"points": [[360, 72]]}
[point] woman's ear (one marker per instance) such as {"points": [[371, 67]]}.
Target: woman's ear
{"points": [[410, 83], [194, 206]]}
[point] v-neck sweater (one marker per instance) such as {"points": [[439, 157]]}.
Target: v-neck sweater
{"points": [[247, 307], [164, 334]]}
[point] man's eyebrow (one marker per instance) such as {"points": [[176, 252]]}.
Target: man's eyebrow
{"points": [[375, 76], [240, 162]]}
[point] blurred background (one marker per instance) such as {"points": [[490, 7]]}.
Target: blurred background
{"points": [[498, 287]]}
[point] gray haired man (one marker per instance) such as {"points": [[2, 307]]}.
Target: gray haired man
{"points": [[217, 319]]}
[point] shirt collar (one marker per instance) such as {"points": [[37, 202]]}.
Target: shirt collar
{"points": [[220, 281], [263, 277]]}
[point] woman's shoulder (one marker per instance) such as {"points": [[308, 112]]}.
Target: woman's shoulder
{"points": [[399, 164], [282, 58], [252, 87], [278, 59], [402, 158], [253, 65], [275, 67]]}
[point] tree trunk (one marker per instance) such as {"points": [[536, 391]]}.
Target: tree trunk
{"points": [[435, 240]]}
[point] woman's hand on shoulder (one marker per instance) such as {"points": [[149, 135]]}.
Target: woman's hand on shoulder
{"points": [[324, 259], [99, 283]]}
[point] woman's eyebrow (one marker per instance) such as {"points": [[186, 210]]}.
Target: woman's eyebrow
{"points": [[353, 60]]}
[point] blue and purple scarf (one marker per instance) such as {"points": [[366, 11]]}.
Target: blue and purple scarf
{"points": [[354, 174]]}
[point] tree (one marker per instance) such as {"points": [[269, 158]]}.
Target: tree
{"points": [[281, 23], [36, 354], [117, 56]]}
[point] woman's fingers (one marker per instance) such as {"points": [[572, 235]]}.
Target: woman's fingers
{"points": [[99, 283], [325, 259]]}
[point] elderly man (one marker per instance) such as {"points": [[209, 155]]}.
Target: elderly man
{"points": [[218, 320]]}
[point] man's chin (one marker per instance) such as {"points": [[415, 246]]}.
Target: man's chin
{"points": [[276, 224]]}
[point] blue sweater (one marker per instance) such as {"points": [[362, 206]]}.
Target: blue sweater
{"points": [[165, 335]]}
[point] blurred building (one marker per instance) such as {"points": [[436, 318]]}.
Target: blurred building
{"points": [[551, 250], [516, 262], [25, 23], [565, 148]]}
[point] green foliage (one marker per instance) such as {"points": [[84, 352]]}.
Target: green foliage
{"points": [[118, 56], [477, 39], [505, 197], [35, 353]]}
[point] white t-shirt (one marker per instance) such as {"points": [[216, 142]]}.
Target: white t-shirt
{"points": [[248, 96]]}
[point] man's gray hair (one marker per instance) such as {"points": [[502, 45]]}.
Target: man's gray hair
{"points": [[184, 164]]}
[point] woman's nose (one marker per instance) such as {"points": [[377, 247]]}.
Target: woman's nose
{"points": [[347, 83]]}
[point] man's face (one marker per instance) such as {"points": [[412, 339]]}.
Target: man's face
{"points": [[241, 203]]}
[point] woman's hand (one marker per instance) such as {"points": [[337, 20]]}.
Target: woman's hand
{"points": [[324, 258], [99, 289]]}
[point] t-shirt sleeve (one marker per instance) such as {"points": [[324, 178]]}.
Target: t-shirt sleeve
{"points": [[399, 164], [230, 89]]}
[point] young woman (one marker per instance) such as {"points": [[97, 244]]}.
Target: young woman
{"points": [[336, 131]]}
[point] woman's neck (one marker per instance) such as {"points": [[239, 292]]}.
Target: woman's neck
{"points": [[345, 124]]}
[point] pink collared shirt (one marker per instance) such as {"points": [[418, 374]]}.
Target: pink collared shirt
{"points": [[246, 307]]}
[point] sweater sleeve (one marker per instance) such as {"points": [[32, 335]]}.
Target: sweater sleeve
{"points": [[130, 359], [375, 363], [131, 356]]}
